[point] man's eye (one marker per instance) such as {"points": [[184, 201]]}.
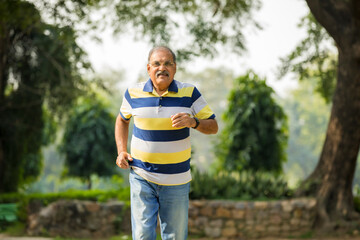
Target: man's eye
{"points": [[157, 64], [168, 64]]}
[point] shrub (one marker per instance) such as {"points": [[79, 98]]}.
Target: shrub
{"points": [[23, 200], [245, 185]]}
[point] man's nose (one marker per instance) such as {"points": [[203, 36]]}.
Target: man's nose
{"points": [[162, 66]]}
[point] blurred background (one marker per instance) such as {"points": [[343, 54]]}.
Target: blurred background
{"points": [[266, 68]]}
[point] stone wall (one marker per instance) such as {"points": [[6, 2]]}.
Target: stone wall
{"points": [[241, 219], [78, 219], [209, 219]]}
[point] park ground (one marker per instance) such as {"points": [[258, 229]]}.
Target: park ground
{"points": [[6, 237]]}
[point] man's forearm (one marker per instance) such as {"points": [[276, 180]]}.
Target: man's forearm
{"points": [[207, 126], [121, 134]]}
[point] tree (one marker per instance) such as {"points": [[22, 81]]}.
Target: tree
{"points": [[314, 59], [331, 181], [205, 23], [39, 66], [40, 62], [88, 142], [255, 133]]}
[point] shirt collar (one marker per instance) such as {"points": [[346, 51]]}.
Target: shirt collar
{"points": [[148, 87]]}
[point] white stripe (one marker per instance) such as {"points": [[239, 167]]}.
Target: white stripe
{"points": [[164, 179], [125, 108], [160, 147], [156, 112], [199, 104], [184, 84]]}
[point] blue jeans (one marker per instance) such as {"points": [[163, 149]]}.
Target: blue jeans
{"points": [[148, 200]]}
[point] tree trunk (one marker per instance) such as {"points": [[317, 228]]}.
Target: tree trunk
{"points": [[2, 167], [4, 46], [89, 186], [331, 181], [336, 168]]}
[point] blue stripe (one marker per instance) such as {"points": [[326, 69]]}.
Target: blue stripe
{"points": [[148, 87], [173, 86], [127, 96], [144, 102], [165, 102], [212, 116], [124, 117], [161, 135], [176, 102], [162, 168], [195, 95]]}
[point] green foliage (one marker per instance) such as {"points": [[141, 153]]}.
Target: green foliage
{"points": [[88, 142], [122, 194], [357, 203], [23, 200], [7, 214], [308, 115], [255, 134], [314, 59], [205, 23], [244, 185], [38, 79]]}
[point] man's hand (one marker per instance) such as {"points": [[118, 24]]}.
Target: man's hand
{"points": [[122, 160], [181, 120]]}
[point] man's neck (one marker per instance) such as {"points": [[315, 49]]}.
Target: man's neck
{"points": [[160, 91]]}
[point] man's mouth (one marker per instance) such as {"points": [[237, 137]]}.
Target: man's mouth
{"points": [[162, 73]]}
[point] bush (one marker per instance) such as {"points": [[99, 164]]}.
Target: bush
{"points": [[46, 198], [23, 200], [245, 185]]}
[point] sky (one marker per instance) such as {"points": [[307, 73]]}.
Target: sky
{"points": [[279, 36]]}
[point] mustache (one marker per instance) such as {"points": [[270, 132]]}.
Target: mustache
{"points": [[162, 72]]}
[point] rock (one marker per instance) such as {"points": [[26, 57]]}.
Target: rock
{"points": [[78, 219]]}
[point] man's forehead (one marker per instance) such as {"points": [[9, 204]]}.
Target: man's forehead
{"points": [[161, 53]]}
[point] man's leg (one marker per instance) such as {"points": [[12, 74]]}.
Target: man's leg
{"points": [[173, 212], [144, 208]]}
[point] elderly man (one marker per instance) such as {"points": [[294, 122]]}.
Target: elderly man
{"points": [[164, 110]]}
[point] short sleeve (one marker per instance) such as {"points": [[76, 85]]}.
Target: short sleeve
{"points": [[126, 109], [200, 107]]}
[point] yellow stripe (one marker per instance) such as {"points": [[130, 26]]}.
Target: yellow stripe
{"points": [[124, 111], [204, 113], [139, 93], [182, 92], [154, 123], [161, 158], [166, 184]]}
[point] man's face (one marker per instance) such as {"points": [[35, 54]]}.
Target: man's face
{"points": [[161, 69]]}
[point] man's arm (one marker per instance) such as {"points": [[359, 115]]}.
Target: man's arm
{"points": [[206, 126], [121, 137]]}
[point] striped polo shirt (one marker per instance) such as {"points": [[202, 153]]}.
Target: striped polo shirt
{"points": [[161, 153]]}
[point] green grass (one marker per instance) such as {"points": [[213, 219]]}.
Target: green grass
{"points": [[15, 229], [119, 237]]}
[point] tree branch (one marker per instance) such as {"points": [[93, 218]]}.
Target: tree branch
{"points": [[355, 7], [334, 15]]}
